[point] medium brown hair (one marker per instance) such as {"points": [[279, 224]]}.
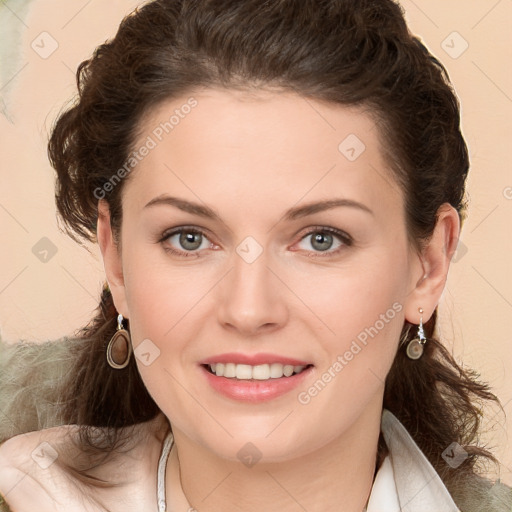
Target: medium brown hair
{"points": [[354, 53]]}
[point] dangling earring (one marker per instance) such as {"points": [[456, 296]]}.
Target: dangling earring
{"points": [[119, 348], [415, 346]]}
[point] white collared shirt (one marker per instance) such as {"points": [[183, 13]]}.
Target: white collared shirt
{"points": [[406, 481]]}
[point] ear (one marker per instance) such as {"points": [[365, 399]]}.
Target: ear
{"points": [[431, 268], [111, 259]]}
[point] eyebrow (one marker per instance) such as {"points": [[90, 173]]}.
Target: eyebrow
{"points": [[291, 214]]}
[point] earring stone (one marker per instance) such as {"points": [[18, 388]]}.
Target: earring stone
{"points": [[119, 349], [415, 346]]}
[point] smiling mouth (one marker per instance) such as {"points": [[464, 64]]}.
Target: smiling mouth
{"points": [[258, 372]]}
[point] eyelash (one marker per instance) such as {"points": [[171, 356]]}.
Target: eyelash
{"points": [[344, 238]]}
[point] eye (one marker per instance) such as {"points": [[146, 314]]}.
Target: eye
{"points": [[192, 240], [324, 239]]}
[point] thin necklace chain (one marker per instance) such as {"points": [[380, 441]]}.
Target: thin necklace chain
{"points": [[162, 504]]}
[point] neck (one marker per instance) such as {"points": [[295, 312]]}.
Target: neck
{"points": [[338, 476]]}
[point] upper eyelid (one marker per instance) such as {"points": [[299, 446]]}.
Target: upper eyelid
{"points": [[180, 229]]}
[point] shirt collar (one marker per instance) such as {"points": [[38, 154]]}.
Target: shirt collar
{"points": [[406, 481]]}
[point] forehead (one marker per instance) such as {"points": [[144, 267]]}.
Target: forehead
{"points": [[268, 145]]}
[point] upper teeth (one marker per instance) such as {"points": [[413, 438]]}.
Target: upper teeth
{"points": [[259, 372]]}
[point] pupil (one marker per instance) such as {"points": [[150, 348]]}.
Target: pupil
{"points": [[188, 238], [322, 237]]}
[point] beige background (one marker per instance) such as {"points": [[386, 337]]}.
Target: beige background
{"points": [[48, 296]]}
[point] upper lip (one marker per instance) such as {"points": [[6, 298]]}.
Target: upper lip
{"points": [[253, 359]]}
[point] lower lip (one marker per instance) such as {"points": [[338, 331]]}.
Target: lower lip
{"points": [[254, 390]]}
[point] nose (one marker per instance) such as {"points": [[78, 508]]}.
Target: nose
{"points": [[252, 298]]}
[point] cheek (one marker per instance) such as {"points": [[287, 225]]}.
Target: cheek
{"points": [[363, 342], [362, 314], [159, 294], [161, 304], [353, 298], [366, 323]]}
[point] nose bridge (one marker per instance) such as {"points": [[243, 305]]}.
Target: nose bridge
{"points": [[251, 296]]}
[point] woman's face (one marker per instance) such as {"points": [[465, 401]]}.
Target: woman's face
{"points": [[265, 273]]}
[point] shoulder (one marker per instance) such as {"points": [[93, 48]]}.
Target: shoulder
{"points": [[29, 477], [48, 471], [37, 449]]}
